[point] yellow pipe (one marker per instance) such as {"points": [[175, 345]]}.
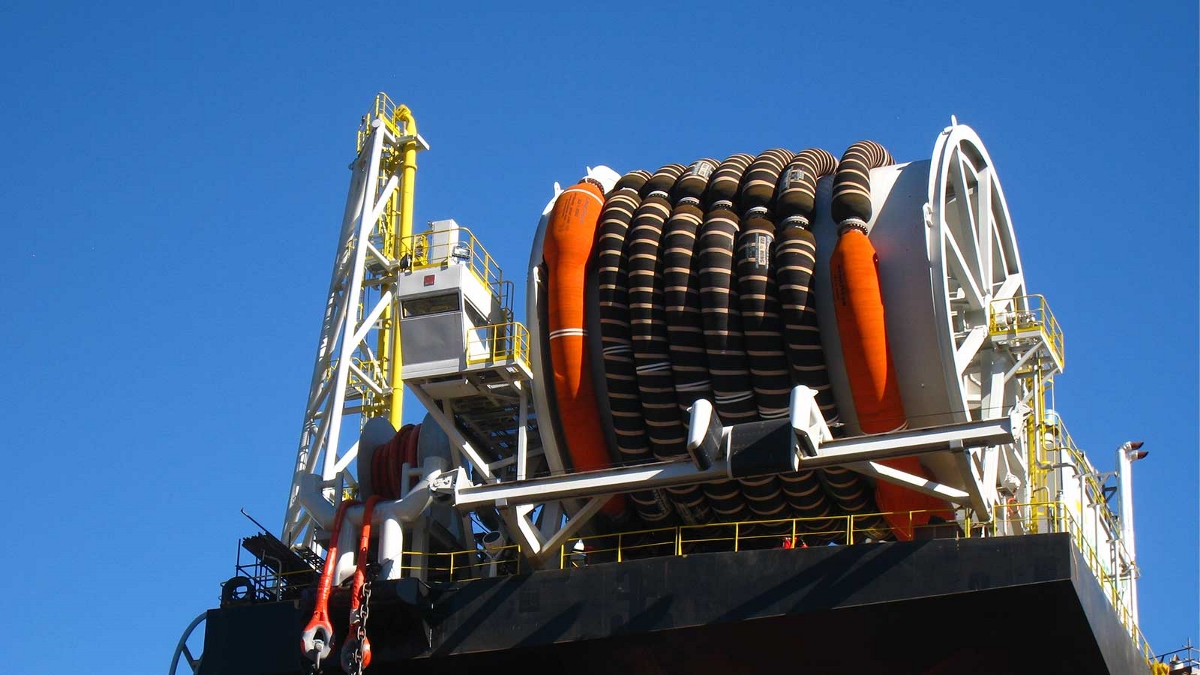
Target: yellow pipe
{"points": [[408, 172], [390, 247]]}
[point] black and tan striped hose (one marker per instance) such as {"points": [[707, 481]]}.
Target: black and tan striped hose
{"points": [[622, 396], [795, 258], [682, 311], [649, 339], [705, 279]]}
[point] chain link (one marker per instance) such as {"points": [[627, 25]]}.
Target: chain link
{"points": [[364, 611]]}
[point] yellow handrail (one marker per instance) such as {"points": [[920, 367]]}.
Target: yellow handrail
{"points": [[1009, 316], [508, 341]]}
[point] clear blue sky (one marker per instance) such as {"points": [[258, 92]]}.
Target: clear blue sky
{"points": [[172, 180]]}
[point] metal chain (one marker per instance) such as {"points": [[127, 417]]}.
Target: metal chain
{"points": [[364, 611]]}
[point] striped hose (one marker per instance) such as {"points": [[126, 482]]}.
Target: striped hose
{"points": [[761, 327], [619, 379], [795, 257], [704, 285], [685, 328], [852, 183], [729, 373], [756, 286], [649, 338]]}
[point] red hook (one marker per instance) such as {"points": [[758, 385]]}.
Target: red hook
{"points": [[356, 618], [317, 639]]}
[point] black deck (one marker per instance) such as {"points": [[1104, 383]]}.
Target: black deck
{"points": [[1002, 605]]}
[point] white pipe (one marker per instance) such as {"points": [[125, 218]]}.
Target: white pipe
{"points": [[347, 546], [391, 549], [493, 546], [1129, 452], [1126, 454]]}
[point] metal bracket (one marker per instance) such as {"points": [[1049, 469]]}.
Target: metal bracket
{"points": [[808, 423]]}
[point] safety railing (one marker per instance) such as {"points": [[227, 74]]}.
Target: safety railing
{"points": [[1050, 516], [257, 581], [1055, 439], [450, 246], [465, 565], [501, 342], [1182, 661], [750, 535], [265, 584], [1011, 316], [381, 108], [365, 376]]}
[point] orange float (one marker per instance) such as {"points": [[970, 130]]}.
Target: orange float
{"points": [[570, 233], [854, 275], [862, 328]]}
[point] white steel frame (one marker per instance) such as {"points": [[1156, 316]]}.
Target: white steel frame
{"points": [[976, 267], [348, 375]]}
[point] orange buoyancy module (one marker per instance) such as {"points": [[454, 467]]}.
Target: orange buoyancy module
{"points": [[854, 274], [570, 234], [858, 302]]}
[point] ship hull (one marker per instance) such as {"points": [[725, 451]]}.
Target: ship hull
{"points": [[929, 606]]}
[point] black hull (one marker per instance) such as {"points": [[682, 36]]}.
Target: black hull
{"points": [[1026, 604]]}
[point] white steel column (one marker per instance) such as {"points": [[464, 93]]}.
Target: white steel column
{"points": [[347, 375]]}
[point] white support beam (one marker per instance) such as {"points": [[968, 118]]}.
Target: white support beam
{"points": [[522, 529], [970, 347], [368, 324], [910, 442], [568, 530], [990, 471], [908, 480], [522, 434], [1029, 353], [1012, 283], [975, 490], [839, 452], [539, 545], [341, 389], [961, 272], [456, 439]]}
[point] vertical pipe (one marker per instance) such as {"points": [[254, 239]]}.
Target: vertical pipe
{"points": [[391, 548], [1129, 452], [1125, 456], [408, 174]]}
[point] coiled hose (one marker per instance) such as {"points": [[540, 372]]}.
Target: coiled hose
{"points": [[685, 327], [387, 463], [795, 258], [649, 339], [619, 376], [762, 328], [733, 392], [705, 291]]}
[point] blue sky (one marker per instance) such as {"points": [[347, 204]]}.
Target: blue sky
{"points": [[172, 181]]}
